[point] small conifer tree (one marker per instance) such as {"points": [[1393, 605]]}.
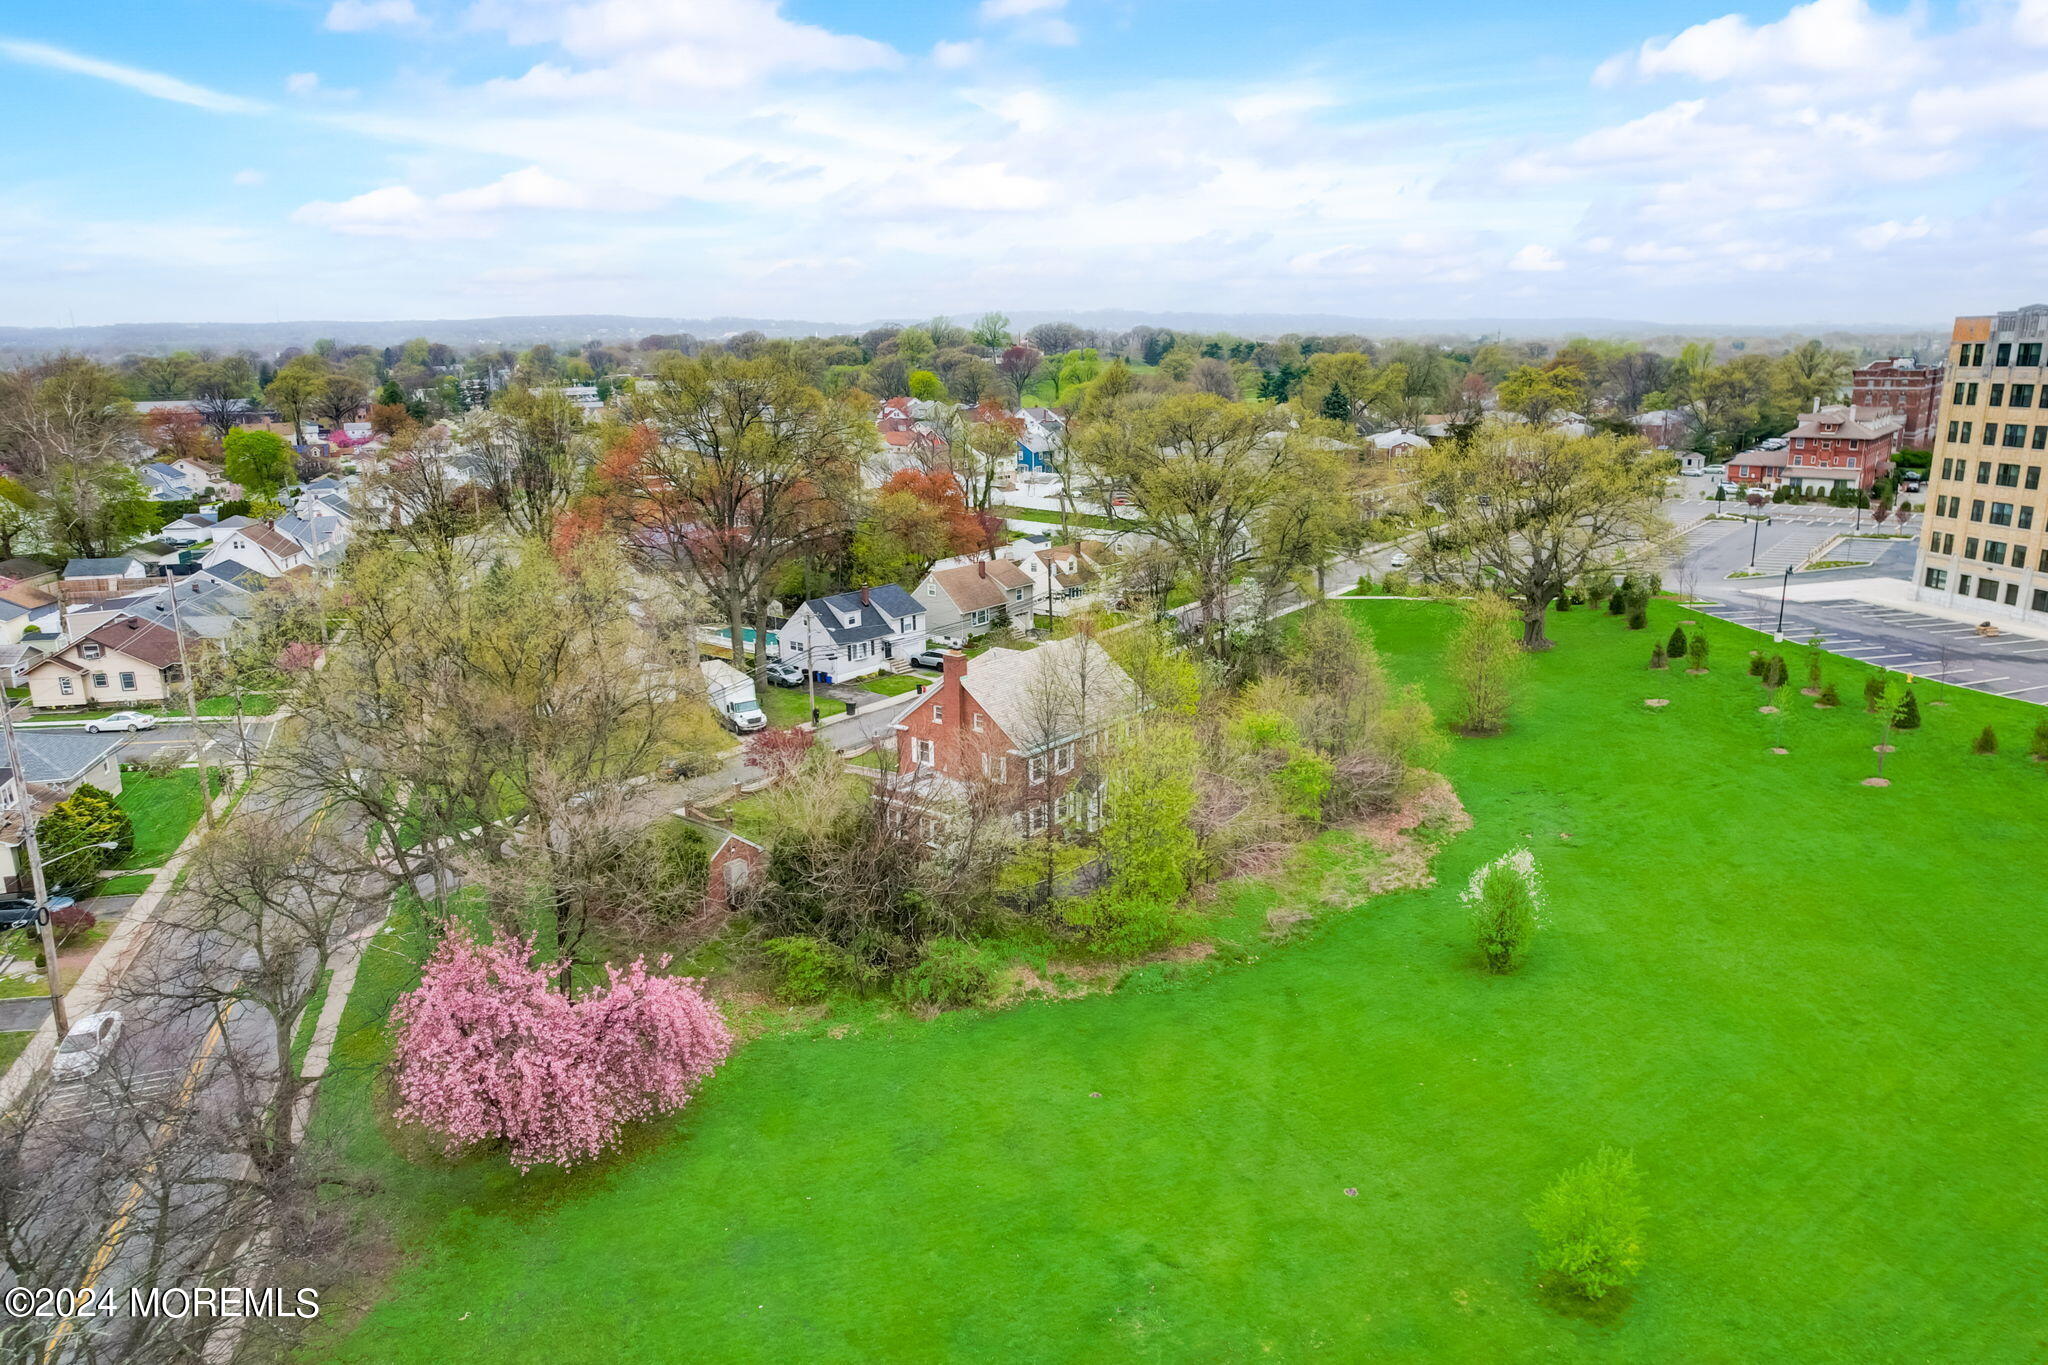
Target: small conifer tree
{"points": [[1986, 742], [1676, 649], [1830, 697], [1873, 691], [1909, 712], [1657, 657], [1696, 652], [2038, 750]]}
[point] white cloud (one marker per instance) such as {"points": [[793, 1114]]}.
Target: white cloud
{"points": [[360, 16], [249, 177], [992, 10], [1032, 21], [302, 83], [950, 56], [152, 83], [669, 50], [1535, 258], [401, 211], [2030, 22], [1835, 38], [1880, 235]]}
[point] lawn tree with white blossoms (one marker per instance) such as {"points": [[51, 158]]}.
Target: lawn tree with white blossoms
{"points": [[1505, 900]]}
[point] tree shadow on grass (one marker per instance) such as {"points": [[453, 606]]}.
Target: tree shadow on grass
{"points": [[1560, 1298]]}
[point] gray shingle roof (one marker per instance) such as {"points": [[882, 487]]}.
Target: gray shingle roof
{"points": [[120, 566], [886, 606], [61, 757]]}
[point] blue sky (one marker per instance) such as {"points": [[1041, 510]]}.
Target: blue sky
{"points": [[265, 159]]}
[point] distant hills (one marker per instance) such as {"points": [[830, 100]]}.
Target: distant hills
{"points": [[573, 329]]}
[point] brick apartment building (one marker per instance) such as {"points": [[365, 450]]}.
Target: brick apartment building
{"points": [[1985, 543], [1016, 727], [1831, 449], [1905, 388]]}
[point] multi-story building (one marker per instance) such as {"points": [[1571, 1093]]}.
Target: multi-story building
{"points": [[1832, 449], [1985, 540], [1906, 388]]}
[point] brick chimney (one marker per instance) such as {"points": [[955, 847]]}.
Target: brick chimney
{"points": [[953, 665], [865, 597], [982, 566]]}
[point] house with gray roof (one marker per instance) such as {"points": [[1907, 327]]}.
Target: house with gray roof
{"points": [[854, 634], [68, 759]]}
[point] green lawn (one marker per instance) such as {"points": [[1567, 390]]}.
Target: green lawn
{"points": [[253, 704], [1092, 520], [792, 705], [894, 684], [163, 809], [12, 1045], [1811, 1007], [133, 884]]}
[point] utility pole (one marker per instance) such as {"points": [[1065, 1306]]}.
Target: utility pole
{"points": [[33, 849], [810, 662]]}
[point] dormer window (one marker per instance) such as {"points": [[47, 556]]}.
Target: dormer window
{"points": [[89, 649]]}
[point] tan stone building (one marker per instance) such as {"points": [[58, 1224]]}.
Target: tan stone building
{"points": [[1984, 545]]}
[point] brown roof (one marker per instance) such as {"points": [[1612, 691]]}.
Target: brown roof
{"points": [[22, 595], [974, 590], [1842, 423], [270, 538], [138, 639]]}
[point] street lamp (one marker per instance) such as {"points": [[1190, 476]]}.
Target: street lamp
{"points": [[1755, 529], [1783, 588]]}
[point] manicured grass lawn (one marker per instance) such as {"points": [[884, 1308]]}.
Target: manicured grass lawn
{"points": [[792, 705], [894, 684], [163, 809], [12, 1045], [1092, 520], [133, 885], [1812, 1009], [253, 704]]}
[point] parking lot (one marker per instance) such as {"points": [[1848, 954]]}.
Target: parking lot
{"points": [[1906, 641]]}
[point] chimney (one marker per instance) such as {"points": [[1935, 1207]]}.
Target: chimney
{"points": [[865, 597], [981, 566], [953, 665]]}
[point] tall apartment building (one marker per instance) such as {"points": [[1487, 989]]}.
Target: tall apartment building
{"points": [[1906, 388], [1984, 545]]}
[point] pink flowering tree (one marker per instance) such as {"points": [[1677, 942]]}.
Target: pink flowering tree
{"points": [[487, 1052]]}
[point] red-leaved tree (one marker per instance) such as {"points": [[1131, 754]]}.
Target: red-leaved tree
{"points": [[487, 1052]]}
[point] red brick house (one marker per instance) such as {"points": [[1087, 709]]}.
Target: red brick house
{"points": [[1908, 390], [736, 864], [1842, 446], [1018, 728]]}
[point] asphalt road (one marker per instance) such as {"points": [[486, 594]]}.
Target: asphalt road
{"points": [[1892, 636]]}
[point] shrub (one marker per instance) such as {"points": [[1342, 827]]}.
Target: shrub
{"points": [[1591, 1225], [1657, 659], [1873, 691], [1830, 697], [72, 831], [1909, 712], [1696, 652], [71, 922], [1505, 899], [1617, 602], [1485, 663], [1123, 926], [1986, 742], [952, 972], [809, 969], [1638, 615], [1757, 664], [2039, 748], [1775, 672], [1675, 649]]}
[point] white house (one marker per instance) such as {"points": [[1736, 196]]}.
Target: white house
{"points": [[260, 547], [853, 634], [1398, 443], [1064, 577]]}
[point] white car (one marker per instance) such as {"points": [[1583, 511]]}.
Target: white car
{"points": [[130, 721], [85, 1049], [1398, 559]]}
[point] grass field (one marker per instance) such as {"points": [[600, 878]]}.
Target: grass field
{"points": [[1810, 1007], [163, 809], [1087, 520], [792, 705]]}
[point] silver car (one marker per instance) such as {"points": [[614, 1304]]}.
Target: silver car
{"points": [[86, 1048]]}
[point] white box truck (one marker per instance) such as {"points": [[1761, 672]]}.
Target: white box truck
{"points": [[731, 693]]}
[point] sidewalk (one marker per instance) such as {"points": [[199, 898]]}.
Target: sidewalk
{"points": [[1894, 592]]}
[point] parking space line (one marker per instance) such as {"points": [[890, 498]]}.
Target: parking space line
{"points": [[2018, 690], [1986, 682]]}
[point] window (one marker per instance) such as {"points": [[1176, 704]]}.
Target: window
{"points": [[1977, 509], [1034, 818], [2040, 441], [988, 764], [1937, 578], [1948, 543], [1963, 583], [1987, 589], [2001, 514], [1976, 354], [1063, 759], [2041, 599], [2022, 395], [1951, 436], [89, 649], [974, 722], [1063, 808], [2030, 353], [1034, 770], [2019, 556], [127, 682], [1964, 439], [99, 680], [1958, 399], [1994, 552], [938, 713], [2015, 435], [2008, 476], [1998, 395], [2026, 518], [1973, 395], [64, 686], [2034, 470], [1983, 471], [921, 752], [2004, 354], [1970, 547], [1991, 433]]}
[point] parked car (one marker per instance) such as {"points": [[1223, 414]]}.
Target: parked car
{"points": [[931, 658], [1716, 471], [1733, 490], [19, 912], [785, 674], [86, 1048], [1398, 560], [130, 721]]}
